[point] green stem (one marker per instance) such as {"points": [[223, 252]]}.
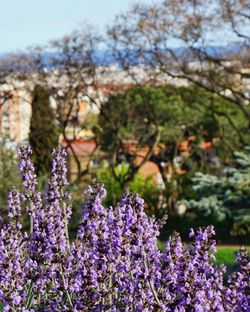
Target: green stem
{"points": [[66, 225], [110, 286], [67, 292], [69, 298], [31, 217], [152, 288], [103, 303], [131, 277], [31, 225], [39, 298], [30, 296], [65, 220]]}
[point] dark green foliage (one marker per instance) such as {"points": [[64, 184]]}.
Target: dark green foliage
{"points": [[136, 113], [8, 176], [164, 117], [145, 187], [43, 130]]}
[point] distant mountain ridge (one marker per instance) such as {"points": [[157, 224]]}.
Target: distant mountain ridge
{"points": [[106, 57]]}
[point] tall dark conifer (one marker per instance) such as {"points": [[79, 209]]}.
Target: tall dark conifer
{"points": [[44, 132]]}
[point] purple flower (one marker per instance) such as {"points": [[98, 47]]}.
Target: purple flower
{"points": [[114, 263]]}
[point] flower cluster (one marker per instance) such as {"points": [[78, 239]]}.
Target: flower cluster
{"points": [[113, 264]]}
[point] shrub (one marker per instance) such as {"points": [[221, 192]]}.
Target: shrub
{"points": [[113, 264], [8, 176], [143, 186], [225, 198]]}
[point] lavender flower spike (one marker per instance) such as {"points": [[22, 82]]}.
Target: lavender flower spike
{"points": [[114, 263]]}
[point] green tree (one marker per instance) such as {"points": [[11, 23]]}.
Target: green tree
{"points": [[43, 130], [226, 197], [159, 119]]}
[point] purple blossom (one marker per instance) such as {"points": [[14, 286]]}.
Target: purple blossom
{"points": [[114, 263], [29, 180]]}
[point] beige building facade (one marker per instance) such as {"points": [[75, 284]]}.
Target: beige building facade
{"points": [[15, 114]]}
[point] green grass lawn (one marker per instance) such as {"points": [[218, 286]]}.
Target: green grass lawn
{"points": [[226, 254]]}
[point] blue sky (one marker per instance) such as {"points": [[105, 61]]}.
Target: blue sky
{"points": [[29, 22]]}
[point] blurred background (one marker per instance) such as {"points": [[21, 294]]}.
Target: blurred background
{"points": [[150, 97]]}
